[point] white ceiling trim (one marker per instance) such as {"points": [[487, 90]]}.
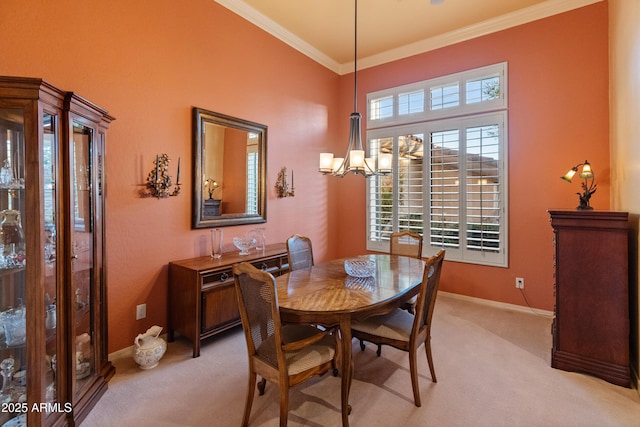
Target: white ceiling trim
{"points": [[252, 15], [523, 16]]}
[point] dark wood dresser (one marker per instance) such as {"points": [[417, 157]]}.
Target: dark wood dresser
{"points": [[202, 296], [591, 325]]}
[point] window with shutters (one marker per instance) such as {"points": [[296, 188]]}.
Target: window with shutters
{"points": [[252, 173], [449, 179]]}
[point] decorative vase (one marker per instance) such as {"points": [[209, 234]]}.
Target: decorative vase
{"points": [[212, 207], [12, 237], [216, 242], [6, 174], [149, 348]]}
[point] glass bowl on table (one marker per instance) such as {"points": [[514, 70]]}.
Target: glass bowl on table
{"points": [[360, 266]]}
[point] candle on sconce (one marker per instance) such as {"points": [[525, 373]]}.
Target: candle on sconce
{"points": [[292, 178], [178, 173], [157, 164]]}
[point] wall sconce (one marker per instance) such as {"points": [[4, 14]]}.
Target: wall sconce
{"points": [[282, 188], [588, 187], [159, 181]]}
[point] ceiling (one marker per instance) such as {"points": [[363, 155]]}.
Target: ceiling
{"points": [[387, 29]]}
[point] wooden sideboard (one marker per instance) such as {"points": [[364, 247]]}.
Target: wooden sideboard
{"points": [[591, 325], [202, 296]]}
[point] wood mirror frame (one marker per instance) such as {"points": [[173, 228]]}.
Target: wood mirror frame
{"points": [[224, 148]]}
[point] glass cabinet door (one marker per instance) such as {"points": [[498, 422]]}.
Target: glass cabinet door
{"points": [[13, 330], [82, 249], [50, 172]]}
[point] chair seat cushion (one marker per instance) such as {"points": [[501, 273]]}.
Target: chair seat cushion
{"points": [[395, 325], [305, 358], [316, 354]]}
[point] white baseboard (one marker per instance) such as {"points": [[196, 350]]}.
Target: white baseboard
{"points": [[122, 353], [500, 305], [128, 351]]}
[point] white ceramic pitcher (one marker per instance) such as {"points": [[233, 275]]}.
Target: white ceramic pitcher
{"points": [[149, 348]]}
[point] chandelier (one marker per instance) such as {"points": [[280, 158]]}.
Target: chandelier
{"points": [[354, 160]]}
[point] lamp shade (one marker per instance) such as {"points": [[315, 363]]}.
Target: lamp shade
{"points": [[326, 162], [567, 176], [338, 165], [586, 173], [356, 159], [384, 162]]}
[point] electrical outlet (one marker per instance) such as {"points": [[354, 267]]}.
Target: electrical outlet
{"points": [[519, 283], [141, 311]]}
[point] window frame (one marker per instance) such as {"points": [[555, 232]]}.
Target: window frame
{"points": [[464, 116]]}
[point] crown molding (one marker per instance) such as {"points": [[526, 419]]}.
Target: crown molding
{"points": [[239, 7], [499, 23]]}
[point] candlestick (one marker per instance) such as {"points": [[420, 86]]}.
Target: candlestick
{"points": [[159, 181]]}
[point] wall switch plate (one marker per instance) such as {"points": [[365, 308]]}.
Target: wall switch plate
{"points": [[141, 311]]}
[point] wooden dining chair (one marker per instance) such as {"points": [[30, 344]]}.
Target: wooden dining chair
{"points": [[300, 252], [406, 243], [405, 331], [282, 354]]}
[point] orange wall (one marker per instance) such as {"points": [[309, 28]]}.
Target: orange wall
{"points": [[558, 117], [148, 62]]}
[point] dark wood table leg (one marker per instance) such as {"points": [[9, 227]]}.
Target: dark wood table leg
{"points": [[347, 372]]}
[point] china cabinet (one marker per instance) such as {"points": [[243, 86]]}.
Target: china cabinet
{"points": [[53, 311], [591, 324], [202, 296]]}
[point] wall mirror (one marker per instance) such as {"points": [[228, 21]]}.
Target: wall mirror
{"points": [[229, 170]]}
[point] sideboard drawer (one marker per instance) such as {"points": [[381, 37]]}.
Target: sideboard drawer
{"points": [[271, 265], [217, 278]]}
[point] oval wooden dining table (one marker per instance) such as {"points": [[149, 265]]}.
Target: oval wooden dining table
{"points": [[324, 294]]}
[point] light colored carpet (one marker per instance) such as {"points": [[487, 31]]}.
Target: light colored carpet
{"points": [[493, 368]]}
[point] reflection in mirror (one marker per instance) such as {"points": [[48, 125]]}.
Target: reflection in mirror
{"points": [[229, 170]]}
